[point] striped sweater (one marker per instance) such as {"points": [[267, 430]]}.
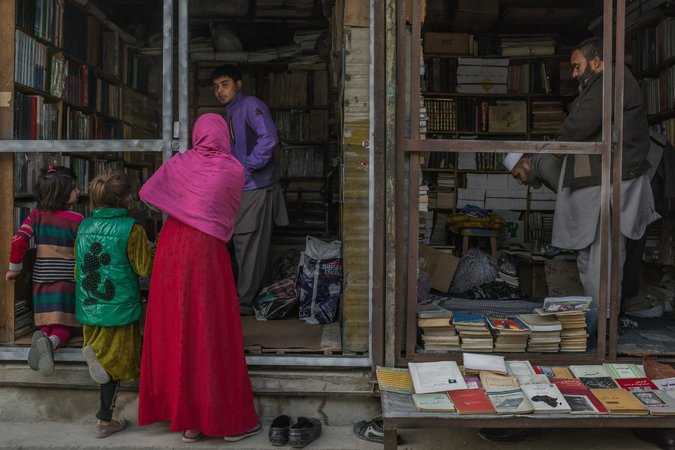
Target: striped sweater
{"points": [[54, 235]]}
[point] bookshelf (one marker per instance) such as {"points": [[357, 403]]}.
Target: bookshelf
{"points": [[72, 75], [467, 96]]}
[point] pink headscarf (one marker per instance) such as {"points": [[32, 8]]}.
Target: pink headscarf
{"points": [[201, 187]]}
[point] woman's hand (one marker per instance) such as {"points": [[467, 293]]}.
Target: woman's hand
{"points": [[12, 275]]}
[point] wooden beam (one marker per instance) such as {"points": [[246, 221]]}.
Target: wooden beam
{"points": [[7, 25]]}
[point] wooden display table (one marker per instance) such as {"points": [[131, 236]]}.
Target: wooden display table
{"points": [[399, 412]]}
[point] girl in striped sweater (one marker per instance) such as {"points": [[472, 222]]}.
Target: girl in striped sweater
{"points": [[53, 226]]}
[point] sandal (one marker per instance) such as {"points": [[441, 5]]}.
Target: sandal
{"points": [[191, 436], [114, 426]]}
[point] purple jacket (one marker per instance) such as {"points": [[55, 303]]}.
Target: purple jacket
{"points": [[255, 140]]}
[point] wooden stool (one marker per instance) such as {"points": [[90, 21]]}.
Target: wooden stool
{"points": [[468, 233]]}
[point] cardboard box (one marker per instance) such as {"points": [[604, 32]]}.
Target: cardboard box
{"points": [[440, 265], [447, 43], [446, 200]]}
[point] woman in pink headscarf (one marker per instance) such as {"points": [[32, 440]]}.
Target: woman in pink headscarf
{"points": [[193, 370]]}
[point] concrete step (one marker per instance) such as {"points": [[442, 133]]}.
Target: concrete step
{"points": [[68, 436], [57, 436]]}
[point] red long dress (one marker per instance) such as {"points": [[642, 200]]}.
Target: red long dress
{"points": [[193, 371]]}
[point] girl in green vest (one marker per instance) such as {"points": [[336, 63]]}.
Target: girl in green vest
{"points": [[112, 251]]}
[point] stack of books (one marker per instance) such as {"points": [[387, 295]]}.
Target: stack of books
{"points": [[573, 336], [510, 333], [544, 333], [473, 332], [547, 116], [482, 75], [423, 198], [571, 313], [438, 332], [530, 45]]}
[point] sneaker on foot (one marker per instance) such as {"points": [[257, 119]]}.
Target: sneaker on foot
{"points": [[238, 437], [96, 370], [41, 354], [105, 429], [33, 354]]}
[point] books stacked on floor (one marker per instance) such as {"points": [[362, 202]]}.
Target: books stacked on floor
{"points": [[547, 116], [573, 336], [510, 334], [482, 75], [544, 333], [571, 313], [438, 332], [530, 45], [473, 331]]}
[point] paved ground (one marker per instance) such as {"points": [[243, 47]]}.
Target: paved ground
{"points": [[57, 436]]}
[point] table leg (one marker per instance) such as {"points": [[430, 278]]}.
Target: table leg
{"points": [[390, 437]]}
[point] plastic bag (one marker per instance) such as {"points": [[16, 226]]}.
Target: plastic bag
{"points": [[277, 301], [319, 281]]}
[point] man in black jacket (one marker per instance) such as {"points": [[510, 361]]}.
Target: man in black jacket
{"points": [[576, 178]]}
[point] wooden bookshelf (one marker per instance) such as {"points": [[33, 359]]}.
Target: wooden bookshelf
{"points": [[38, 54]]}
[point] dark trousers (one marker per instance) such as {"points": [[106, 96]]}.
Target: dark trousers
{"points": [[108, 398]]}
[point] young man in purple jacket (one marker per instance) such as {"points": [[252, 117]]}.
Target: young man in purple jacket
{"points": [[255, 142]]}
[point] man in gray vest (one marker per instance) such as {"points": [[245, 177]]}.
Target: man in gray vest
{"points": [[577, 178]]}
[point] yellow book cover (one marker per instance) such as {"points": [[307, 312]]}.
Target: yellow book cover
{"points": [[394, 380], [619, 401]]}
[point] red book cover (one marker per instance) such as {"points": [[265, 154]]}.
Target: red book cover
{"points": [[471, 401], [630, 384], [33, 118], [574, 386], [84, 86]]}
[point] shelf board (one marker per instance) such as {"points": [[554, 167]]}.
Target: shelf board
{"points": [[495, 96], [307, 143], [24, 196], [84, 109], [478, 133], [510, 58], [655, 71], [285, 108], [33, 91], [438, 169], [653, 118], [39, 39]]}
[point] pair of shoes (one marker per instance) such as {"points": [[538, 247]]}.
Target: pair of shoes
{"points": [[191, 436], [238, 437], [41, 354], [112, 427], [96, 370], [299, 435]]}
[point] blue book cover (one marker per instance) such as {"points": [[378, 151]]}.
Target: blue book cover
{"points": [[468, 318]]}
